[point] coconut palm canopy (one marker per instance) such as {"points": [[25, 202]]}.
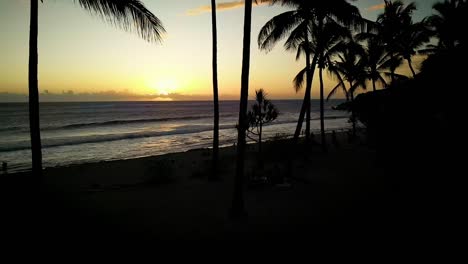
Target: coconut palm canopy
{"points": [[130, 15]]}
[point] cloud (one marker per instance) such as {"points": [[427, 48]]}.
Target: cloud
{"points": [[220, 7], [376, 7]]}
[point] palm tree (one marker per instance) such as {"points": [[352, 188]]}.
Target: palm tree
{"points": [[263, 112], [34, 125], [395, 19], [128, 14], [413, 38], [309, 71], [450, 15], [350, 67], [325, 40], [299, 22], [237, 209], [299, 41], [307, 14], [328, 42], [214, 174], [376, 58]]}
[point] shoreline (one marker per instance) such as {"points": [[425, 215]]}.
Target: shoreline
{"points": [[267, 141], [296, 188], [178, 167], [187, 164]]}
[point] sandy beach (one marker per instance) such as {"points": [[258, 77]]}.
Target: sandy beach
{"points": [[169, 196]]}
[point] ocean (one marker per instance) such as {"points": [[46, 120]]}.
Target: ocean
{"points": [[74, 133]]}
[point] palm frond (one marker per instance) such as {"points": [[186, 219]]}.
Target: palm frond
{"points": [[297, 37], [129, 15], [276, 29], [345, 14], [336, 89], [299, 80], [382, 80], [360, 82]]}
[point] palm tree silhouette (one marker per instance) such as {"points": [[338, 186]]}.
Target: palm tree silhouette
{"points": [[350, 66], [395, 19], [307, 14], [214, 174], [376, 58], [128, 14], [413, 38], [328, 42], [304, 48], [445, 24], [237, 209], [298, 24], [263, 112]]}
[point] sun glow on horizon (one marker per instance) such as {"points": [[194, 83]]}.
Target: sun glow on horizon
{"points": [[166, 86]]}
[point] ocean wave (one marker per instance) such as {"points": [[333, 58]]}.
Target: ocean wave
{"points": [[293, 119], [77, 140], [136, 121], [14, 128], [112, 123], [128, 121]]}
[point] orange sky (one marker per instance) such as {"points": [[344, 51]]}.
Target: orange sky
{"points": [[82, 54]]}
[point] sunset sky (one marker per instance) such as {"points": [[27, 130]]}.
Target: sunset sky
{"points": [[80, 54]]}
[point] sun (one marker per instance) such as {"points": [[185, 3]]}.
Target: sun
{"points": [[166, 86]]}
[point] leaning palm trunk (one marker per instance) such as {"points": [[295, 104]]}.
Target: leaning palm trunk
{"points": [[410, 64], [35, 132], [309, 86], [214, 173], [306, 102], [322, 112], [353, 116], [260, 140], [392, 68], [237, 209], [373, 76]]}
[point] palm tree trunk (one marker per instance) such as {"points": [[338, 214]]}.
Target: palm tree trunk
{"points": [[34, 95], [309, 87], [306, 102], [322, 96], [353, 117], [392, 69], [260, 140], [237, 209], [373, 85], [411, 68], [322, 112], [214, 174]]}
